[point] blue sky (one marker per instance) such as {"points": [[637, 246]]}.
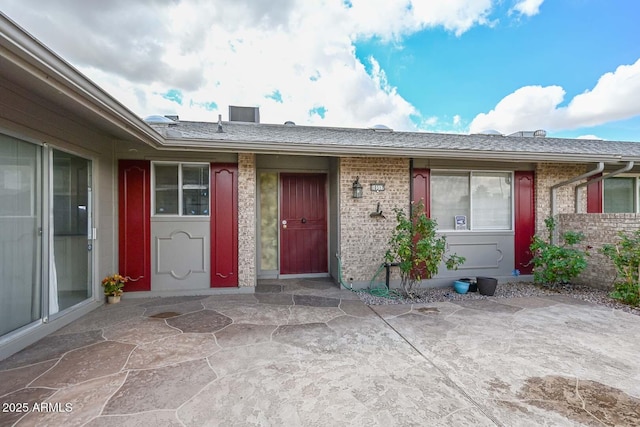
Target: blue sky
{"points": [[569, 43], [571, 67]]}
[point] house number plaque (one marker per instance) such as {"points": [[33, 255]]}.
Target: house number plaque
{"points": [[377, 186]]}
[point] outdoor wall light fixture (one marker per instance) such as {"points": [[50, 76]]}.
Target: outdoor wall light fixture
{"points": [[357, 188]]}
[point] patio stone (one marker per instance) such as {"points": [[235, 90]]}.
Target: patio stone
{"points": [[162, 388], [18, 378], [372, 341], [25, 398], [238, 361], [259, 314], [51, 347], [267, 288], [314, 301], [494, 362], [322, 392], [442, 309], [79, 403], [488, 305], [356, 309], [165, 315], [568, 300], [140, 331], [320, 284], [85, 364], [391, 310], [182, 308], [528, 302], [106, 316], [275, 299], [200, 321], [310, 336], [585, 401], [155, 419], [219, 302], [175, 349], [304, 314], [423, 324], [244, 334], [164, 301]]}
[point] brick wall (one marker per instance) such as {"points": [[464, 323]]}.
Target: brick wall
{"points": [[246, 220], [363, 239], [548, 174], [598, 229]]}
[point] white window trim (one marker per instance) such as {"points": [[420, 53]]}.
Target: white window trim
{"points": [[180, 197], [471, 228]]}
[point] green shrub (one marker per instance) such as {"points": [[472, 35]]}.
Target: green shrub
{"points": [[557, 264], [625, 255], [417, 249]]}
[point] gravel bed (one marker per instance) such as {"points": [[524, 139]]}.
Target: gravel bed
{"points": [[505, 290]]}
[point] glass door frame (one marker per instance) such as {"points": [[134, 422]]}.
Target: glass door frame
{"points": [[47, 234]]}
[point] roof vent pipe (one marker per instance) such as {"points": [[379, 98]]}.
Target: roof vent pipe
{"points": [[220, 123], [555, 187], [627, 168]]}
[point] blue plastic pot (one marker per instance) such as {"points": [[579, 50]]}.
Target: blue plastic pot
{"points": [[461, 287]]}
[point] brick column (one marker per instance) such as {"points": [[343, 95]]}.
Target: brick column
{"points": [[246, 220]]}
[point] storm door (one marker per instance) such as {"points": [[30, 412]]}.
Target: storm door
{"points": [[303, 224], [71, 232]]}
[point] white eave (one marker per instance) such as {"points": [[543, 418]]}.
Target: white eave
{"points": [[31, 64]]}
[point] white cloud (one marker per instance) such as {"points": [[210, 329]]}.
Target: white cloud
{"points": [[527, 7], [391, 19], [528, 108], [217, 53], [589, 137], [614, 97]]}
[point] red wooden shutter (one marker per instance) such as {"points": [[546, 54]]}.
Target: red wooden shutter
{"points": [[525, 218], [594, 196], [134, 235], [224, 225]]}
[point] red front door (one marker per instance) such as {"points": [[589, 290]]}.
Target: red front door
{"points": [[303, 224]]}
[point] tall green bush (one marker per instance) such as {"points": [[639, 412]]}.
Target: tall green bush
{"points": [[417, 249], [625, 255], [557, 263]]}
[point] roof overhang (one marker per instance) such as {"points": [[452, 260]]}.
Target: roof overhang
{"points": [[338, 150], [27, 63]]}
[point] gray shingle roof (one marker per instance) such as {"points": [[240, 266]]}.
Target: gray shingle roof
{"points": [[264, 138]]}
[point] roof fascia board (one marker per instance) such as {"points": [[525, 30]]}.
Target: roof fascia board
{"points": [[337, 150]]}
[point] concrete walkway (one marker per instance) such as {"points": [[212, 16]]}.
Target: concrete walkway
{"points": [[304, 353]]}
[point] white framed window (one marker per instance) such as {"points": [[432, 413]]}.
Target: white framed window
{"points": [[180, 189], [472, 200], [620, 194]]}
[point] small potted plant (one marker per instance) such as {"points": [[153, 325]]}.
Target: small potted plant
{"points": [[113, 285]]}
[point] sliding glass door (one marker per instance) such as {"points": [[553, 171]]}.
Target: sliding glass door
{"points": [[45, 232], [20, 228]]}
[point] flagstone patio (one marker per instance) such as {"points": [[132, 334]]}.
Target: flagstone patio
{"points": [[305, 353]]}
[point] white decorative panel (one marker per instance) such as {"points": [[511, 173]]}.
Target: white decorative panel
{"points": [[180, 254], [478, 255]]}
